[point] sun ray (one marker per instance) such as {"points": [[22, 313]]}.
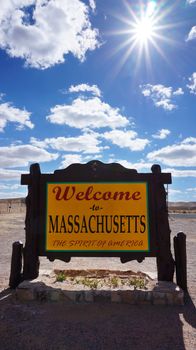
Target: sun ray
{"points": [[123, 60], [145, 29]]}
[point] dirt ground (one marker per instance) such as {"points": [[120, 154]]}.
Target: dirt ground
{"points": [[58, 326]]}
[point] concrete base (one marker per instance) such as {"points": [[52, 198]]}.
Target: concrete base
{"points": [[45, 288]]}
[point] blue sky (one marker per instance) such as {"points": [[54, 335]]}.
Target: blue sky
{"points": [[106, 79]]}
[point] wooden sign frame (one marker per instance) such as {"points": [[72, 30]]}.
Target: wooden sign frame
{"points": [[97, 172]]}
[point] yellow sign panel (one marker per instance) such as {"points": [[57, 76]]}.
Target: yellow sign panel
{"points": [[94, 217]]}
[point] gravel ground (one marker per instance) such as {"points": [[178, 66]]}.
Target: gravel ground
{"points": [[36, 326]]}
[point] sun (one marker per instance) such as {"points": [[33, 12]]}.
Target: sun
{"points": [[144, 29]]}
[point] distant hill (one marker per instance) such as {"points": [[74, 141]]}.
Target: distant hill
{"points": [[17, 205], [12, 205], [182, 206]]}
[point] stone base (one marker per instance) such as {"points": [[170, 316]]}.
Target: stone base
{"points": [[44, 288]]}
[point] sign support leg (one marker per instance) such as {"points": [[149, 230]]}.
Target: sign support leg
{"points": [[181, 260], [165, 261], [31, 258], [16, 265]]}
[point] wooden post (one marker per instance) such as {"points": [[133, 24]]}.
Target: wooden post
{"points": [[181, 260], [165, 262], [16, 265], [31, 257]]}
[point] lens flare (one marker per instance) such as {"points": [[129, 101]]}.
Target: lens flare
{"points": [[151, 7], [145, 28]]}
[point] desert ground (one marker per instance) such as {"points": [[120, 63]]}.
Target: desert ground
{"points": [[37, 326]]}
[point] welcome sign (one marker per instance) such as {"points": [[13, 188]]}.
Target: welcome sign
{"points": [[97, 217], [97, 210]]}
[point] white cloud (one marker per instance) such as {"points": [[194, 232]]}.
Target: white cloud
{"points": [[87, 113], [22, 155], [180, 173], [173, 191], [156, 91], [145, 90], [146, 168], [12, 194], [174, 195], [183, 154], [178, 92], [192, 34], [54, 29], [140, 166], [126, 139], [11, 114], [92, 5], [161, 134], [69, 159], [86, 143], [9, 187], [189, 140], [192, 85], [86, 88], [166, 105], [161, 95], [10, 174]]}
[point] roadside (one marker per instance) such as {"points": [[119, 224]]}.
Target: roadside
{"points": [[98, 326]]}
